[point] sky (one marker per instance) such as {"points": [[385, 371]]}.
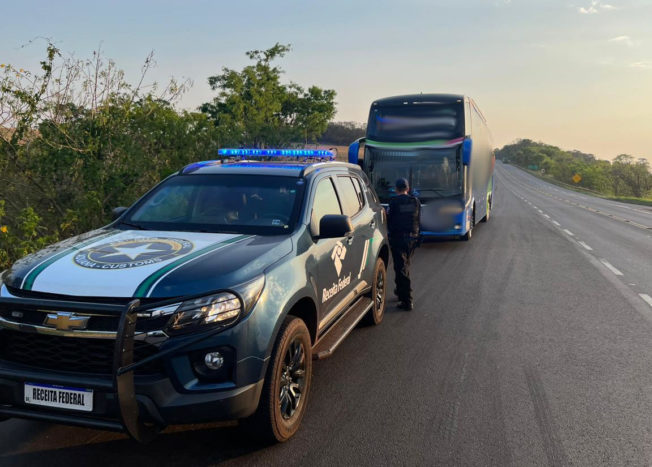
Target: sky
{"points": [[575, 74]]}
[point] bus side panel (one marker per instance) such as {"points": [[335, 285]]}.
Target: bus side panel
{"points": [[481, 169]]}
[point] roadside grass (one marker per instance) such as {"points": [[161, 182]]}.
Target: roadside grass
{"points": [[586, 191]]}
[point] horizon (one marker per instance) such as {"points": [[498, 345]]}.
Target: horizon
{"points": [[575, 75]]}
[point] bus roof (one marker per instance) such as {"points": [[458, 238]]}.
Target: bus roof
{"points": [[420, 99]]}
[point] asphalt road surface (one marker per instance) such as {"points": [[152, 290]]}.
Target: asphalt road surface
{"points": [[529, 345]]}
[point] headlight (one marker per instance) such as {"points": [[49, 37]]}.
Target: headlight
{"points": [[222, 308]]}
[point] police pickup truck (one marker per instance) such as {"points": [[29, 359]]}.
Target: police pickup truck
{"points": [[206, 300]]}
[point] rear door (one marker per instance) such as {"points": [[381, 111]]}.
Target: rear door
{"points": [[355, 205]]}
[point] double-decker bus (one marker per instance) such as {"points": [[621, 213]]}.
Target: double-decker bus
{"points": [[441, 144]]}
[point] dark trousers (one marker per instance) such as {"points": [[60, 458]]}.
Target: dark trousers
{"points": [[402, 249]]}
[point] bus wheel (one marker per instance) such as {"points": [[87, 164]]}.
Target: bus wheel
{"points": [[467, 236], [486, 217]]}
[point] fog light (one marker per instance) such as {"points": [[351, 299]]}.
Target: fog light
{"points": [[213, 360], [458, 226]]}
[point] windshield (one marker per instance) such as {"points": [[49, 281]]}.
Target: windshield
{"points": [[250, 204], [432, 173], [416, 122]]}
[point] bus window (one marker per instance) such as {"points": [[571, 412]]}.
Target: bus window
{"points": [[416, 122]]}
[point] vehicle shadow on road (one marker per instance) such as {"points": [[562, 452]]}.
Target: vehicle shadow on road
{"points": [[183, 445]]}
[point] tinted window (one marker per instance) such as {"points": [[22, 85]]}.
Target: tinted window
{"points": [[221, 203], [359, 190], [325, 202], [349, 196], [416, 122]]}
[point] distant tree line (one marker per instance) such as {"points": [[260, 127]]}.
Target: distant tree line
{"points": [[77, 139], [342, 133], [625, 176]]}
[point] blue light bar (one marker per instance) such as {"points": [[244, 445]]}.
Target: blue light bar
{"points": [[319, 153]]}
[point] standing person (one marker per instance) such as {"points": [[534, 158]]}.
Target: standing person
{"points": [[403, 224]]}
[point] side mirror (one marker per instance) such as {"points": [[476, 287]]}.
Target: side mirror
{"points": [[117, 212], [354, 149], [467, 145], [334, 226]]}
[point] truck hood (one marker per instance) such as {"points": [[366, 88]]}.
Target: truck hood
{"points": [[137, 263]]}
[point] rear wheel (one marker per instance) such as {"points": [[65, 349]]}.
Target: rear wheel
{"points": [[486, 217], [285, 392], [378, 290]]}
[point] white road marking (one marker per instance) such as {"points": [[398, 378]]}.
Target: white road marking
{"points": [[585, 245], [609, 266], [646, 298], [540, 211], [556, 223], [546, 216], [569, 232]]}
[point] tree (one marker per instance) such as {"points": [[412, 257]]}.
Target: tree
{"points": [[633, 174], [624, 177], [80, 140], [342, 133], [253, 108]]}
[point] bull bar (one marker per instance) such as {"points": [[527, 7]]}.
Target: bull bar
{"points": [[124, 365]]}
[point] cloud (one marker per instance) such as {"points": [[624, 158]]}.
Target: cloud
{"points": [[595, 7], [643, 64], [626, 40]]}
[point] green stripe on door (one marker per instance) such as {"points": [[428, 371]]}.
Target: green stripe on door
{"points": [[144, 288], [31, 277]]}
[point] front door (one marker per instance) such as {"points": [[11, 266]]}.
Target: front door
{"points": [[332, 255]]}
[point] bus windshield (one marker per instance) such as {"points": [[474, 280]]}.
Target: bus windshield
{"points": [[416, 122], [432, 173]]}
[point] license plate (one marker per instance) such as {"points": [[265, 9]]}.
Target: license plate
{"points": [[59, 396]]}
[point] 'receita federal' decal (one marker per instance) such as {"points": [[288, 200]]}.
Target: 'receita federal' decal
{"points": [[132, 253]]}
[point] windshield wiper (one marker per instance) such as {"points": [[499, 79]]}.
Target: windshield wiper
{"points": [[135, 226]]}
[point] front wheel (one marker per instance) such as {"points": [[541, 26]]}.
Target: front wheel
{"points": [[285, 392], [375, 315], [467, 236]]}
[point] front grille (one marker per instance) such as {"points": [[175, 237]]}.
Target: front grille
{"points": [[95, 322], [70, 354]]}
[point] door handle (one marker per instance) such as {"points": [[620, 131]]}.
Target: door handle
{"points": [[372, 224], [349, 240]]}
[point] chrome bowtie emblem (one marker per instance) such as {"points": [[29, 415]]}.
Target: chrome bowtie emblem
{"points": [[65, 321]]}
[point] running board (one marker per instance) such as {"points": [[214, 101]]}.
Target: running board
{"points": [[336, 334]]}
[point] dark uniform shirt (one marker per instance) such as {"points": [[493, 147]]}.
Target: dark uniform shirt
{"points": [[404, 215]]}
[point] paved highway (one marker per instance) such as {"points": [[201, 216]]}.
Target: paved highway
{"points": [[529, 345]]}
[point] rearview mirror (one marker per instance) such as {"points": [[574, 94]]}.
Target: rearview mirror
{"points": [[467, 145], [354, 150], [117, 212], [334, 226]]}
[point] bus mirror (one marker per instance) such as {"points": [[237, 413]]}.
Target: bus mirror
{"points": [[466, 151], [354, 149]]}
